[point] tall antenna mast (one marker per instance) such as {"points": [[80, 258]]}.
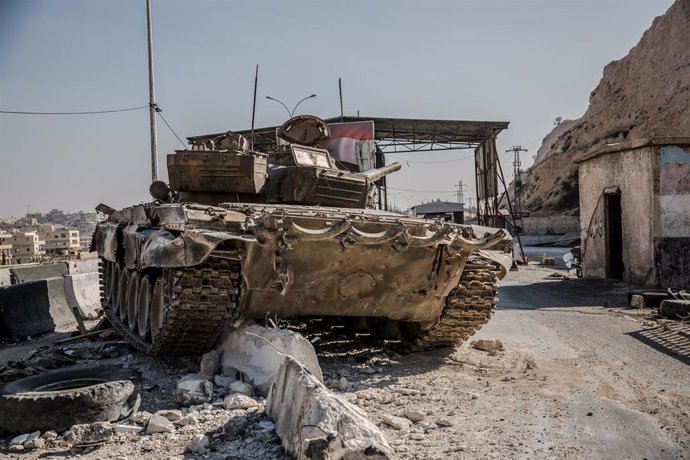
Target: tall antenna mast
{"points": [[256, 83], [152, 98]]}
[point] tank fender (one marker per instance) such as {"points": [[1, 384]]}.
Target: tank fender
{"points": [[163, 249], [105, 240]]}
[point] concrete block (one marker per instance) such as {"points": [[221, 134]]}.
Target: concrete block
{"points": [[258, 353], [312, 422], [79, 267], [83, 293], [5, 278], [637, 301], [33, 308], [38, 272]]}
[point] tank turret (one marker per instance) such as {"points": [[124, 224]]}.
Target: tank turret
{"points": [[225, 170]]}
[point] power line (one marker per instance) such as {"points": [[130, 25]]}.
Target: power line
{"points": [[158, 111], [92, 112]]}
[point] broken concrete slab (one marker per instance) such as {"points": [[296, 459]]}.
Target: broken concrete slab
{"points": [[193, 389], [209, 364], [258, 353], [90, 433], [312, 422]]}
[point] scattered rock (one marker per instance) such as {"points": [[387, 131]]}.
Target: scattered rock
{"points": [[90, 433], [409, 391], [15, 449], [171, 414], [343, 384], [193, 389], [159, 424], [189, 419], [487, 345], [236, 426], [209, 364], [21, 439], [140, 417], [415, 415], [50, 435], [199, 444], [223, 381], [239, 401], [128, 429], [37, 443], [241, 387], [397, 423], [444, 422]]}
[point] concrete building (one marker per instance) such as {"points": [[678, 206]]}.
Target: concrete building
{"points": [[446, 210], [635, 212], [5, 248], [27, 246], [61, 242]]}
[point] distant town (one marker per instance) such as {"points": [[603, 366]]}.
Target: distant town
{"points": [[41, 237]]}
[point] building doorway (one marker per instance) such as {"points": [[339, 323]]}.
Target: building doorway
{"points": [[614, 237]]}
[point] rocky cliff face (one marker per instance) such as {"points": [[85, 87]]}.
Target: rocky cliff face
{"points": [[647, 93]]}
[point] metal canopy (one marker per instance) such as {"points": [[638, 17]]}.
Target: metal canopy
{"points": [[400, 134]]}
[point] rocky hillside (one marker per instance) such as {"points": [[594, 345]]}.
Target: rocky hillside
{"points": [[647, 93]]}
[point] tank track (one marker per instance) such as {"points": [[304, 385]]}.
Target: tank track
{"points": [[199, 302], [468, 307]]}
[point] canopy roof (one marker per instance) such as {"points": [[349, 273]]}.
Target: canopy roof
{"points": [[400, 134]]}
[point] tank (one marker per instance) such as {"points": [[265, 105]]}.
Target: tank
{"points": [[242, 235]]}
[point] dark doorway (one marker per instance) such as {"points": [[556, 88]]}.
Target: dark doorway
{"points": [[614, 240]]}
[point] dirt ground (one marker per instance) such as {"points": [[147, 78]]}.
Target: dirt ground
{"points": [[581, 376]]}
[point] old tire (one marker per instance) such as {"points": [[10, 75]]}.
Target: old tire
{"points": [[56, 400]]}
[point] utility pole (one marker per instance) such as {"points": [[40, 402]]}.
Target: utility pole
{"points": [[152, 98], [517, 178], [460, 194]]}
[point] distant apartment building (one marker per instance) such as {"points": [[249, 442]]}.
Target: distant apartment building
{"points": [[61, 242], [5, 248], [26, 246]]}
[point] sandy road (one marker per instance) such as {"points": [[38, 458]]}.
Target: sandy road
{"points": [[576, 380]]}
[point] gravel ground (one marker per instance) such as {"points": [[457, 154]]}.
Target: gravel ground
{"points": [[579, 376]]}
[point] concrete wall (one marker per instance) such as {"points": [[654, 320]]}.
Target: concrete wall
{"points": [[673, 247], [547, 225], [634, 173]]}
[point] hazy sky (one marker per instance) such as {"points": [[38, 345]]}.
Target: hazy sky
{"points": [[522, 61]]}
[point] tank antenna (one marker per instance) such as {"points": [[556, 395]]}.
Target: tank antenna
{"points": [[152, 98], [340, 90], [256, 81]]}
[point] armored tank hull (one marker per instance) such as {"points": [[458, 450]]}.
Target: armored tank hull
{"points": [[174, 275]]}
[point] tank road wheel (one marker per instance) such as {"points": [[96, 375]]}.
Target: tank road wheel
{"points": [[132, 297], [144, 307], [122, 294], [115, 297], [468, 307], [186, 311], [156, 309]]}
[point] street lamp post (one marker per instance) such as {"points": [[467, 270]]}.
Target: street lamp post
{"points": [[291, 113]]}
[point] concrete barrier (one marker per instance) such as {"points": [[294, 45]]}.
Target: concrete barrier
{"points": [[33, 308], [37, 272], [78, 267], [83, 293], [5, 278]]}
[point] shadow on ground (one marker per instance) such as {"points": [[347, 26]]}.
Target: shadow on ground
{"points": [[672, 339], [564, 293]]}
